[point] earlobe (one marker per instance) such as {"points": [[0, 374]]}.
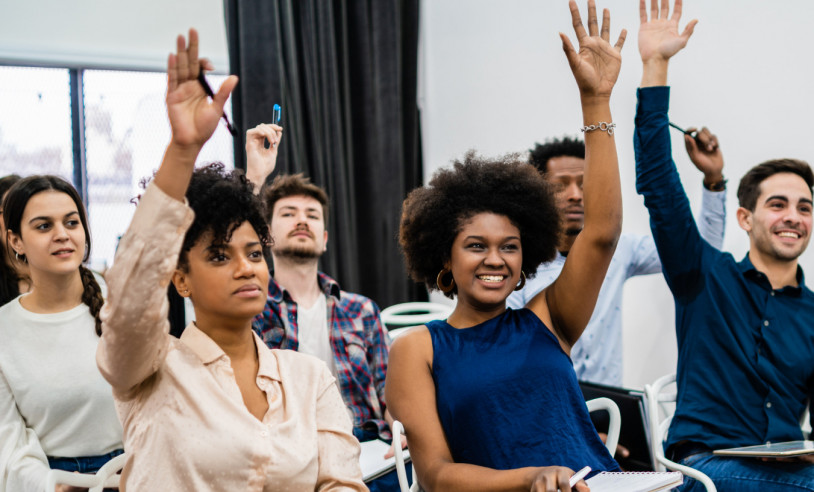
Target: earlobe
{"points": [[15, 242], [179, 280]]}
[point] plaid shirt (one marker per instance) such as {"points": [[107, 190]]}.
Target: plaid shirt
{"points": [[359, 342]]}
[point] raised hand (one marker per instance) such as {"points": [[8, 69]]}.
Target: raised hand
{"points": [[705, 153], [260, 161], [596, 65], [193, 118], [658, 37]]}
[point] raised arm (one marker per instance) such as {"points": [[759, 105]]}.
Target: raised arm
{"points": [[675, 233], [570, 299], [705, 153], [134, 332], [261, 161]]}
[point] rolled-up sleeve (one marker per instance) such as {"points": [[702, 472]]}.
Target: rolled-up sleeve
{"points": [[134, 319]]}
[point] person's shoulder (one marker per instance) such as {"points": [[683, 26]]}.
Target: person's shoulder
{"points": [[357, 305], [413, 340]]}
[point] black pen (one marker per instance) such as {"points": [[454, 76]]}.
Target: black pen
{"points": [[685, 132], [208, 90]]}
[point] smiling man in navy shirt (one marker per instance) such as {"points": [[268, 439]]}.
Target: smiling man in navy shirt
{"points": [[745, 328]]}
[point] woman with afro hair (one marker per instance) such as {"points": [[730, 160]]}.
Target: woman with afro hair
{"points": [[215, 409], [489, 398]]}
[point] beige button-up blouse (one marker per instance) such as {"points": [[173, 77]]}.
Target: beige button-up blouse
{"points": [[185, 424]]}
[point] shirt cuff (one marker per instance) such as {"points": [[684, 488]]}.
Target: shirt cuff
{"points": [[654, 99]]}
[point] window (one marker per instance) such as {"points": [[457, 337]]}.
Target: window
{"points": [[125, 129]]}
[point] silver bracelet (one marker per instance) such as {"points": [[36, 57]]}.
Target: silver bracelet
{"points": [[602, 126]]}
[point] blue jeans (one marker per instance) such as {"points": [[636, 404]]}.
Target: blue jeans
{"points": [[82, 464], [731, 474]]}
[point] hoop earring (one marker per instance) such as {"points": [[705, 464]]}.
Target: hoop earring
{"points": [[439, 281], [522, 282], [20, 257]]}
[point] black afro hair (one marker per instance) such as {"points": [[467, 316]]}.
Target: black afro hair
{"points": [[432, 216], [222, 200]]}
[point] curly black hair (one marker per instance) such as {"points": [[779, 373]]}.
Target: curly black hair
{"points": [[432, 216], [222, 200], [564, 147]]}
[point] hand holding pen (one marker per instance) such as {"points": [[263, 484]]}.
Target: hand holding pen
{"points": [[705, 153]]}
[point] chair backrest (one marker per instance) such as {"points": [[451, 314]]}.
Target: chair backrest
{"points": [[414, 313], [597, 404], [615, 424], [660, 397], [398, 317], [106, 477]]}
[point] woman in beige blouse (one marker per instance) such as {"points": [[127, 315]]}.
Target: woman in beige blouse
{"points": [[215, 410]]}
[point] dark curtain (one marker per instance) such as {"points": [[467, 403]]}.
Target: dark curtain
{"points": [[345, 74]]}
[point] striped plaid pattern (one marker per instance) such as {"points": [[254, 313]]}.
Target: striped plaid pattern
{"points": [[359, 342]]}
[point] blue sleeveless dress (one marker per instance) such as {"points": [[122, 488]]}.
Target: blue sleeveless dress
{"points": [[508, 397]]}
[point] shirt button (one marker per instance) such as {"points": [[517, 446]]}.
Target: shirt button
{"points": [[772, 294], [766, 323], [768, 404], [264, 434]]}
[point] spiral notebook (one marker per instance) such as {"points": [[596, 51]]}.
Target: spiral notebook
{"points": [[634, 481]]}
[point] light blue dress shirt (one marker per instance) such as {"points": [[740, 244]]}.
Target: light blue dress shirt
{"points": [[597, 355]]}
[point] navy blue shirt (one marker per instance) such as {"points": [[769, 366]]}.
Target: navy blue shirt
{"points": [[508, 397], [745, 351]]}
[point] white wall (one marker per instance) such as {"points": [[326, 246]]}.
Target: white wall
{"points": [[494, 78], [136, 34]]}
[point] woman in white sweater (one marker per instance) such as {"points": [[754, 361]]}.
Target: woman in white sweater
{"points": [[56, 410]]}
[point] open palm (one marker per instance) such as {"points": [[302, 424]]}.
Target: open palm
{"points": [[193, 118], [596, 65], [659, 37]]}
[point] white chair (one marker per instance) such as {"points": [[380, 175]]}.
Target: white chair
{"points": [[107, 476], [656, 397], [594, 405], [615, 421], [398, 429], [409, 314]]}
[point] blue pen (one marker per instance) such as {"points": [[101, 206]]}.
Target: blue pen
{"points": [[277, 114]]}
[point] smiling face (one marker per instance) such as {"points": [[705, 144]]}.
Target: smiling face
{"points": [[51, 234], [225, 281], [566, 174], [298, 228], [486, 260], [779, 228]]}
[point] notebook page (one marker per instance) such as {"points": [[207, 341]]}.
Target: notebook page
{"points": [[634, 481]]}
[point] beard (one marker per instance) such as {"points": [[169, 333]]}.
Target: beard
{"points": [[572, 231], [297, 253]]}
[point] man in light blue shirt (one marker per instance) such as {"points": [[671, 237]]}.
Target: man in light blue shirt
{"points": [[597, 356]]}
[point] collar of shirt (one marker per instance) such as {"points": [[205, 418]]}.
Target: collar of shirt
{"points": [[328, 285], [749, 271], [208, 351]]}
